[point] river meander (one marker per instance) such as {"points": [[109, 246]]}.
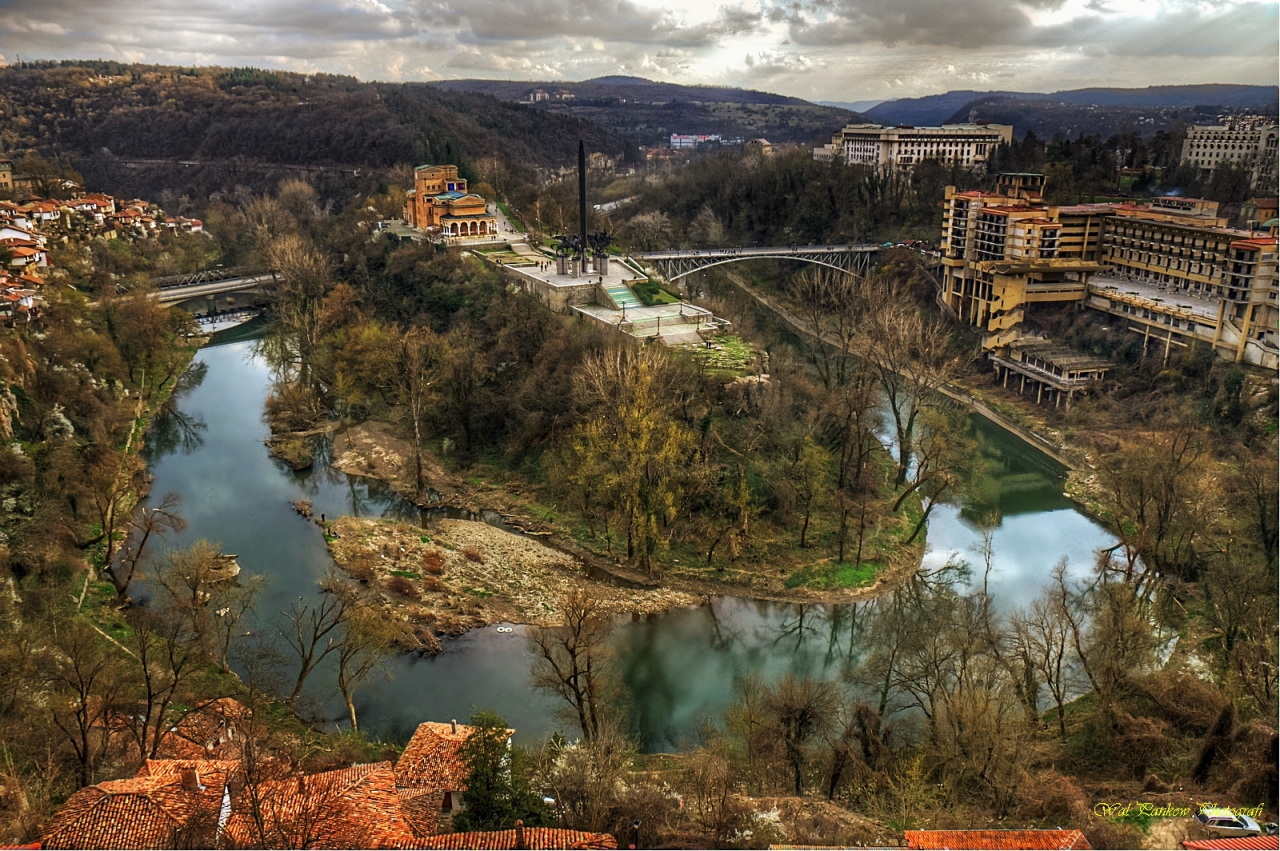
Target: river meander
{"points": [[677, 668]]}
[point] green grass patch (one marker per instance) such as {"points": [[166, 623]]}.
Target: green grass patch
{"points": [[835, 575], [515, 223], [651, 293], [729, 353], [406, 574], [424, 539]]}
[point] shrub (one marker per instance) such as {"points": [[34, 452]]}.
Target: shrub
{"points": [[361, 569], [472, 554], [402, 586], [433, 562]]}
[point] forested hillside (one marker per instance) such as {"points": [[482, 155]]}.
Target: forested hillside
{"points": [[652, 111], [1097, 110], [237, 123]]}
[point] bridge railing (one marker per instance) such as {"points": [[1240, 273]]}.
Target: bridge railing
{"points": [[209, 276]]}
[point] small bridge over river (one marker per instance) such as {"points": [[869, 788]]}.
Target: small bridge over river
{"points": [[214, 282], [858, 259]]}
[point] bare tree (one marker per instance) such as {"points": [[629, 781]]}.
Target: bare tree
{"points": [[312, 632], [912, 356], [368, 638], [802, 709], [421, 355], [168, 655], [86, 680], [146, 522], [569, 660]]}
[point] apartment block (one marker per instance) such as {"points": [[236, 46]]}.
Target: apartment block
{"points": [[1170, 268], [1245, 141], [967, 145]]}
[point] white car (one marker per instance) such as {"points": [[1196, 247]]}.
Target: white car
{"points": [[1222, 820]]}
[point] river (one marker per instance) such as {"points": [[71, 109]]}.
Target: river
{"points": [[677, 668]]}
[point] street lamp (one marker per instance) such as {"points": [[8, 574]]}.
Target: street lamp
{"points": [[635, 833]]}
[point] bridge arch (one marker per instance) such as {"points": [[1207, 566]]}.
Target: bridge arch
{"points": [[726, 260], [673, 265]]}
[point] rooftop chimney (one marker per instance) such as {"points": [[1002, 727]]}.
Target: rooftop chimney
{"points": [[520, 834], [454, 724], [190, 779]]}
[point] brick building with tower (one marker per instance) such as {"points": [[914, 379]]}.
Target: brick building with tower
{"points": [[440, 203]]}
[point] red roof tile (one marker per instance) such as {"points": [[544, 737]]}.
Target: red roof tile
{"points": [[997, 840], [421, 809], [532, 838], [431, 760], [356, 807], [214, 729], [1235, 843], [138, 812]]}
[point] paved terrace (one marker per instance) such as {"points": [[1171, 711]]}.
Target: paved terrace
{"points": [[1162, 296], [674, 324]]}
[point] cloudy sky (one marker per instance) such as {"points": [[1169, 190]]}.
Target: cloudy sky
{"points": [[843, 50]]}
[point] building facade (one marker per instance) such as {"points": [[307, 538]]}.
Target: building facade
{"points": [[966, 145], [439, 202], [1245, 141], [1170, 268]]}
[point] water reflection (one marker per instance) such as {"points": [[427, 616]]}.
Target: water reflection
{"points": [[172, 428], [676, 669]]}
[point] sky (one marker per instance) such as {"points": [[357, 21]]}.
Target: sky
{"points": [[836, 50]]}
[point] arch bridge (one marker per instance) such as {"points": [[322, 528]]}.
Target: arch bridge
{"points": [[858, 259]]}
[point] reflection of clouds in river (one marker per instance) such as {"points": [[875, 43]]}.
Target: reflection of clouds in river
{"points": [[1026, 549]]}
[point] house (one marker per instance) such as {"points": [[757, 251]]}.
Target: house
{"points": [[215, 729], [354, 807], [182, 808], [520, 837], [431, 775], [997, 840]]}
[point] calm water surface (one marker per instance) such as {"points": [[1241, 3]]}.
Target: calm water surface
{"points": [[677, 668]]}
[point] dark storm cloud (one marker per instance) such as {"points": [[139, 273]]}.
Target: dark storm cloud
{"points": [[973, 25]]}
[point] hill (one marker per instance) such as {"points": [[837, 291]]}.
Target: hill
{"points": [[128, 127], [650, 111], [630, 88], [956, 105], [1048, 119]]}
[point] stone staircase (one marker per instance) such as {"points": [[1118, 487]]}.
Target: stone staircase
{"points": [[621, 296]]}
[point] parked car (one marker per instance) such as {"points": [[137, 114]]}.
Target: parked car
{"points": [[1222, 820]]}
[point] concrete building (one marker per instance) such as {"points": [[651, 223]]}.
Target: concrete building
{"points": [[967, 145], [1244, 141], [439, 202], [1170, 268]]}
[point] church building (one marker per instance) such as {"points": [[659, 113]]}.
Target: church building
{"points": [[439, 202]]}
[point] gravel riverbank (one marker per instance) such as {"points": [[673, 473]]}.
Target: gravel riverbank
{"points": [[460, 575]]}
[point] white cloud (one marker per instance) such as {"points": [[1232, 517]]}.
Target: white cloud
{"points": [[820, 49]]}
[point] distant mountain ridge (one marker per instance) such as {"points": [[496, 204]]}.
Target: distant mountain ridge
{"points": [[631, 88], [954, 105], [650, 111]]}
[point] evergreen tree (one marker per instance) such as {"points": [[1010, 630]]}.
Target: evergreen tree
{"points": [[498, 791]]}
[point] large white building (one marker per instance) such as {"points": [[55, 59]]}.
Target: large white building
{"points": [[1243, 141], [967, 145]]}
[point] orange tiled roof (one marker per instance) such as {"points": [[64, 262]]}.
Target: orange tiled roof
{"points": [[521, 837], [1234, 843], [214, 729], [355, 807], [205, 767], [421, 809], [139, 812], [997, 840], [431, 761]]}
